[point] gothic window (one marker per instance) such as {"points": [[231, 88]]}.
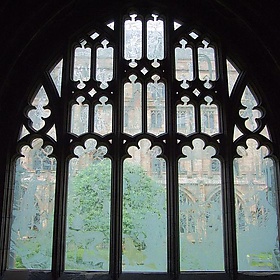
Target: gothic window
{"points": [[141, 154]]}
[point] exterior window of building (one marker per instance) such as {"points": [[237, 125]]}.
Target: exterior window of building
{"points": [[139, 178], [156, 119]]}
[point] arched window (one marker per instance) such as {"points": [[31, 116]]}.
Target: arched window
{"points": [[144, 150]]}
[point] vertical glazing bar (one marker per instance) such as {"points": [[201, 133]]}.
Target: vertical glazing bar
{"points": [[173, 254]]}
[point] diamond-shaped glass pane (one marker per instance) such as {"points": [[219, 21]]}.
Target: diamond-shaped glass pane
{"points": [[144, 70]]}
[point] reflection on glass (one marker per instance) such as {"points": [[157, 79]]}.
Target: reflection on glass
{"points": [[183, 64], [33, 206], [155, 40], [56, 75], [82, 64], [201, 234], [103, 117], [88, 209], [209, 117], [104, 64], [38, 114], [256, 212], [132, 106], [206, 63], [79, 117], [250, 113], [185, 117], [133, 40], [144, 210], [156, 106], [232, 74]]}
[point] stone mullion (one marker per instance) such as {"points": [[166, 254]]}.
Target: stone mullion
{"points": [[173, 246], [227, 175], [59, 230], [115, 267]]}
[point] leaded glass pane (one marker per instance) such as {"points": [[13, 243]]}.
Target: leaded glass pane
{"points": [[232, 74], [132, 106], [39, 113], [207, 63], [185, 117], [82, 64], [52, 133], [236, 133], [133, 40], [56, 75], [79, 116], [201, 229], [155, 40], [32, 208], [250, 113], [209, 117], [257, 223], [265, 133], [103, 117], [183, 64], [88, 209], [156, 106], [104, 64], [144, 210], [176, 25], [23, 132]]}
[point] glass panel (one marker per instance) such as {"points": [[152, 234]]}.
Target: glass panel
{"points": [[103, 117], [185, 117], [184, 64], [155, 40], [79, 117], [133, 40], [176, 25], [132, 106], [265, 133], [156, 106], [111, 25], [256, 211], [32, 208], [209, 117], [56, 75], [88, 209], [193, 34], [236, 133], [144, 210], [82, 64], [52, 133], [201, 231], [23, 132], [232, 74], [207, 64], [94, 35], [104, 64], [92, 92], [38, 114], [250, 113]]}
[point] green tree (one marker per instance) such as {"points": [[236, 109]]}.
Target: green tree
{"points": [[89, 203]]}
